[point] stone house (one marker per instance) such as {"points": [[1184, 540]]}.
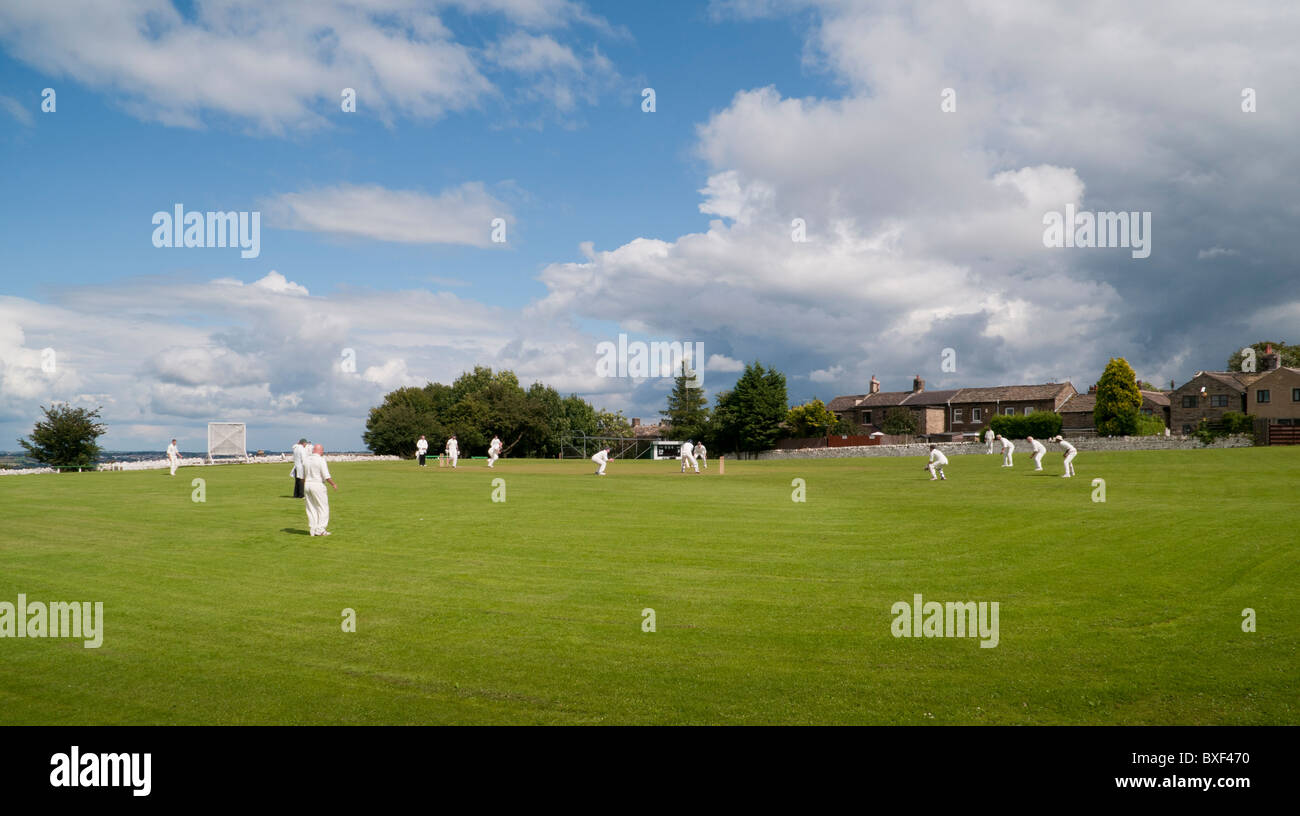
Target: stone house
{"points": [[1275, 396], [972, 408], [1209, 395], [952, 411]]}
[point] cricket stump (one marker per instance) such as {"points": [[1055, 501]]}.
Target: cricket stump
{"points": [[722, 466]]}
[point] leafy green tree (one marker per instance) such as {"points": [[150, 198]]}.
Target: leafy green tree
{"points": [[544, 421], [749, 416], [811, 419], [1290, 355], [899, 421], [613, 423], [478, 404], [393, 426], [688, 410], [843, 427], [579, 418], [1118, 400], [66, 437]]}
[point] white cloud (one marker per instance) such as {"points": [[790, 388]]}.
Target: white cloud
{"points": [[276, 65], [392, 374], [458, 215], [272, 282], [723, 363], [827, 375]]}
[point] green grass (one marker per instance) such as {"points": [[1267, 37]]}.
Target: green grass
{"points": [[767, 610]]}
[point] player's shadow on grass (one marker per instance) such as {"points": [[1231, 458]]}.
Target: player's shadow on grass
{"points": [[295, 531]]}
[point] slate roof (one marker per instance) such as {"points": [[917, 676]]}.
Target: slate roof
{"points": [[1079, 404], [1011, 393]]}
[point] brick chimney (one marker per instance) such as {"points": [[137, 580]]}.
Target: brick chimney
{"points": [[635, 421], [918, 384], [875, 385], [1173, 386], [1272, 359], [1092, 389]]}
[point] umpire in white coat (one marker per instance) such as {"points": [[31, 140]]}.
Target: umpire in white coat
{"points": [[300, 453]]}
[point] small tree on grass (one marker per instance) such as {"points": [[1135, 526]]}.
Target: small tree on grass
{"points": [[66, 437], [899, 422], [1118, 400], [811, 419]]}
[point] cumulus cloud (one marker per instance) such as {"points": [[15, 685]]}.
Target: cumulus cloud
{"points": [[924, 229], [724, 364], [827, 375]]}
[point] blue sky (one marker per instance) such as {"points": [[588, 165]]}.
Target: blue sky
{"points": [[924, 226]]}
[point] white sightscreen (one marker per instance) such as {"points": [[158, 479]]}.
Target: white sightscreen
{"points": [[227, 439]]}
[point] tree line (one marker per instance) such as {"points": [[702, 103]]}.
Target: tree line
{"points": [[480, 403]]}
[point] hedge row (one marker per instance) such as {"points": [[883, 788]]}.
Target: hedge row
{"points": [[1040, 425]]}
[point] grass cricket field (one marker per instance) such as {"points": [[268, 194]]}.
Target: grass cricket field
{"points": [[766, 609]]}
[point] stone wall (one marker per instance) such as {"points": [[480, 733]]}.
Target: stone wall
{"points": [[1123, 443]]}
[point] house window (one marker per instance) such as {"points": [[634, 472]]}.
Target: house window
{"points": [[1189, 402], [956, 416], [1146, 412], [866, 418], [976, 414], [1028, 410], [1187, 429], [1219, 400], [1010, 412], [1295, 394], [1261, 395]]}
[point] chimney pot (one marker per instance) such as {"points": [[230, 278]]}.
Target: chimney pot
{"points": [[918, 384]]}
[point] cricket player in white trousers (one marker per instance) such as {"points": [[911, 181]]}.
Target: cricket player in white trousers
{"points": [[1039, 450], [300, 453], [937, 461], [1069, 456], [453, 450], [494, 451], [173, 457], [700, 454], [601, 459], [988, 441], [318, 499], [1008, 448], [421, 449], [688, 456]]}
